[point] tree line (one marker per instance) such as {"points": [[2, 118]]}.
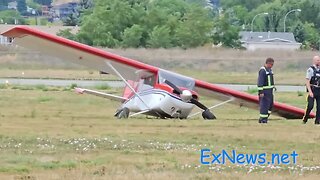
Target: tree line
{"points": [[145, 23], [192, 23]]}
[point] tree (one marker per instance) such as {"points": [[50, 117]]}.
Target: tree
{"points": [[22, 6], [310, 12], [248, 4], [67, 34], [11, 17], [307, 35], [132, 36], [71, 20], [226, 33], [84, 8], [299, 33], [3, 4], [85, 4], [33, 5], [272, 21], [110, 18], [312, 39], [195, 30], [161, 23], [160, 37], [238, 15]]}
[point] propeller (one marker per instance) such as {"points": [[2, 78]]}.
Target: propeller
{"points": [[186, 96]]}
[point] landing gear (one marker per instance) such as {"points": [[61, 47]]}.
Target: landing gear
{"points": [[208, 115], [122, 113]]}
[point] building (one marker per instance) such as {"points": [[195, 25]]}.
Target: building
{"points": [[64, 10], [12, 5], [45, 10], [268, 40]]}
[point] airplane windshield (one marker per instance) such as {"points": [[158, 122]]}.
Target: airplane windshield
{"points": [[177, 79]]}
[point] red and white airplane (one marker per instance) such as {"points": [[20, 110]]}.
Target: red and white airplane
{"points": [[149, 90]]}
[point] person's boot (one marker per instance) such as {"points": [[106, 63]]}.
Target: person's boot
{"points": [[304, 120], [262, 120]]}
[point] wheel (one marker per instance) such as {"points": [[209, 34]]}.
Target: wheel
{"points": [[123, 113], [208, 115]]}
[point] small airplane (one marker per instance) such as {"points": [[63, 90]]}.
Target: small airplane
{"points": [[149, 90]]}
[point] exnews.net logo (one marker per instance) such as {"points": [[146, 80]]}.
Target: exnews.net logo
{"points": [[209, 158]]}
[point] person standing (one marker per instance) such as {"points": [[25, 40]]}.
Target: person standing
{"points": [[313, 89], [265, 90]]}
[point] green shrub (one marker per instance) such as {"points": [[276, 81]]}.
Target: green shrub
{"points": [[252, 90], [300, 93]]}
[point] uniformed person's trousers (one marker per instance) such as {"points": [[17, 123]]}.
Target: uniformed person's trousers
{"points": [[310, 104], [266, 104]]}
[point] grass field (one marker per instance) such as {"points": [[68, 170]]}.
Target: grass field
{"points": [[53, 133]]}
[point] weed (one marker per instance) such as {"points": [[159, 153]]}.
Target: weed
{"points": [[102, 87], [73, 86], [33, 113], [3, 86], [41, 87], [24, 88], [299, 93], [43, 99], [252, 90]]}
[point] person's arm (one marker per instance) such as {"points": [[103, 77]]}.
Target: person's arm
{"points": [[309, 88], [261, 79], [308, 78]]}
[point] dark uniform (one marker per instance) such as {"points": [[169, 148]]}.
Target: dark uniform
{"points": [[313, 74], [265, 86]]}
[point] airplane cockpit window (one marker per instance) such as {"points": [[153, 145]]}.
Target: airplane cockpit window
{"points": [[177, 79], [146, 83], [149, 80]]}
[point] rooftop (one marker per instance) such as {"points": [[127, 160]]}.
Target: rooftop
{"points": [[248, 36]]}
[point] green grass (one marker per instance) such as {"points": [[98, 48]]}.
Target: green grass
{"points": [[225, 77], [45, 99], [3, 86], [102, 87], [60, 134], [252, 90]]}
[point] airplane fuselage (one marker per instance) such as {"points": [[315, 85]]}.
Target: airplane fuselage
{"points": [[160, 103]]}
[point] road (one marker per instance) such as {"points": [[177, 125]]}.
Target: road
{"points": [[95, 83]]}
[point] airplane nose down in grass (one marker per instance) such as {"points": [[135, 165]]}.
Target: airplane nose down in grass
{"points": [[149, 90]]}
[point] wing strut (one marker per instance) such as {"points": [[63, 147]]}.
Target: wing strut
{"points": [[100, 94], [214, 106], [141, 112], [130, 87]]}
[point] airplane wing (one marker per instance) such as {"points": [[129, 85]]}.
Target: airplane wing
{"points": [[248, 100], [97, 59], [77, 53], [100, 94]]}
